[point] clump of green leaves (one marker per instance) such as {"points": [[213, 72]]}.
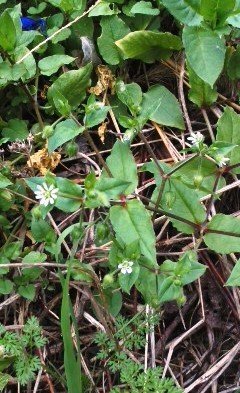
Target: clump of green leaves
{"points": [[130, 334], [17, 352]]}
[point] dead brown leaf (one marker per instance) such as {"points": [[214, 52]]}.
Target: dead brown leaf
{"points": [[43, 161]]}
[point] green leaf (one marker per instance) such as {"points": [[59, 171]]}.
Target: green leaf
{"points": [[112, 188], [34, 257], [37, 10], [129, 94], [144, 7], [233, 68], [72, 85], [186, 205], [186, 11], [4, 181], [51, 64], [7, 32], [168, 290], [199, 43], [217, 10], [126, 281], [70, 195], [113, 29], [226, 236], [64, 132], [103, 8], [133, 223], [228, 131], [161, 106], [148, 45], [96, 115], [195, 269], [41, 230], [15, 129], [200, 93], [28, 291], [6, 287], [234, 278], [122, 165], [61, 104]]}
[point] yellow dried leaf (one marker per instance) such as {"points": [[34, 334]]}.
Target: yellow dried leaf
{"points": [[106, 80], [43, 161], [101, 131]]}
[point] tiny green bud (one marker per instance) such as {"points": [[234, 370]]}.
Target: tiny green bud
{"points": [[101, 231], [197, 180], [77, 232], [36, 212], [5, 194], [177, 282], [108, 280], [181, 300], [47, 132], [71, 149]]}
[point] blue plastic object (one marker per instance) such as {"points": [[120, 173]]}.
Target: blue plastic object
{"points": [[34, 24]]}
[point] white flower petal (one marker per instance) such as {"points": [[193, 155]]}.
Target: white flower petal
{"points": [[45, 186], [39, 187]]}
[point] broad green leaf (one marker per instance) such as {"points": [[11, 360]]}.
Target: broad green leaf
{"points": [[233, 68], [126, 281], [234, 278], [72, 85], [228, 131], [144, 7], [111, 187], [200, 93], [27, 291], [4, 181], [147, 285], [226, 236], [51, 64], [96, 116], [15, 129], [103, 8], [113, 29], [217, 10], [37, 10], [64, 132], [234, 19], [186, 11], [6, 287], [122, 165], [129, 94], [41, 231], [7, 32], [70, 195], [114, 302], [199, 43], [168, 290], [161, 106], [185, 205], [34, 257], [198, 174], [194, 271], [132, 222], [62, 36], [148, 46]]}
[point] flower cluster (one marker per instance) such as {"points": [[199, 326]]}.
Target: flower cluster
{"points": [[126, 267], [46, 194], [196, 139], [221, 160]]}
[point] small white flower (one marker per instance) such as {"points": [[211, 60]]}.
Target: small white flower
{"points": [[196, 139], [126, 267], [46, 194], [221, 160]]}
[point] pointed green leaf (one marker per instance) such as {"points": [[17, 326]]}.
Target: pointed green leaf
{"points": [[234, 278], [64, 132], [226, 236], [122, 165], [148, 45], [113, 29], [200, 93], [51, 64], [133, 223], [72, 85], [199, 43], [186, 11], [161, 106], [228, 131]]}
